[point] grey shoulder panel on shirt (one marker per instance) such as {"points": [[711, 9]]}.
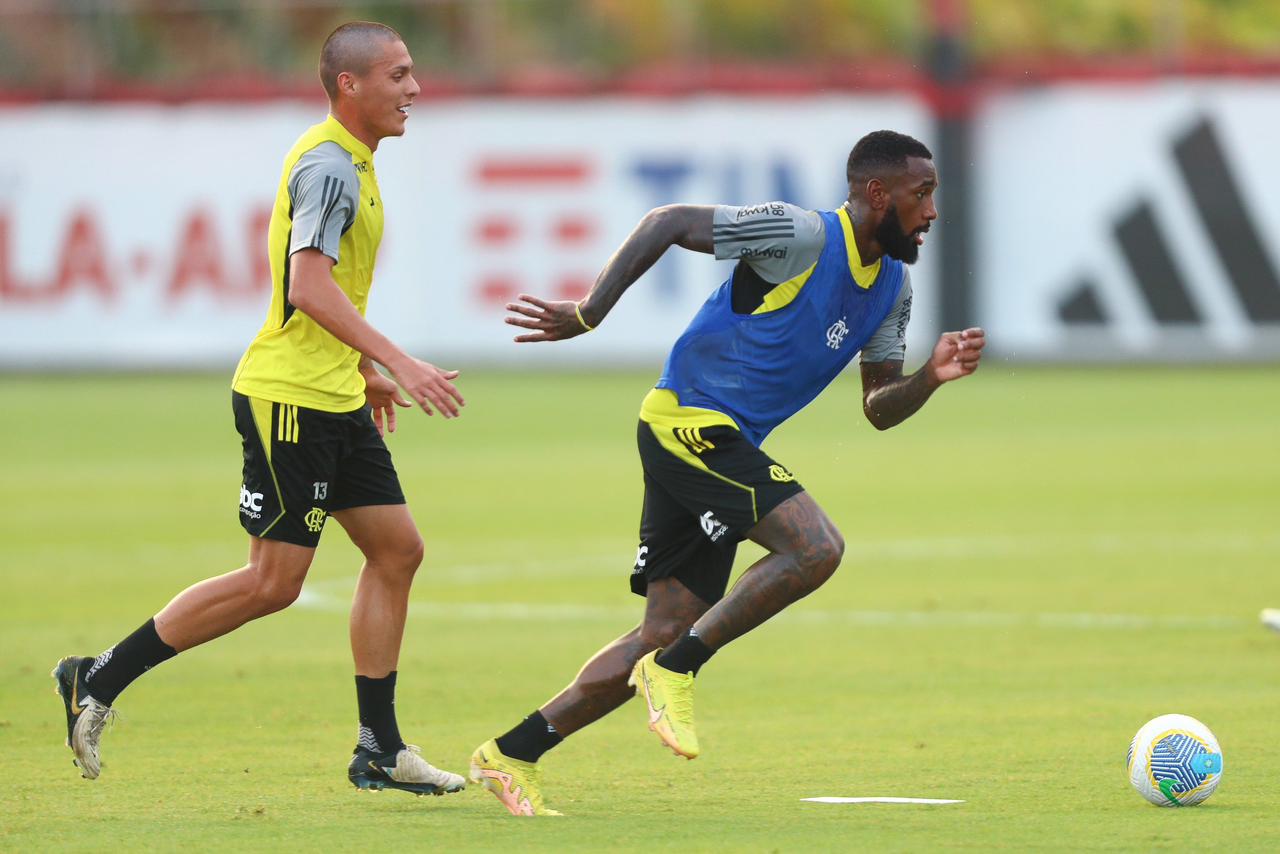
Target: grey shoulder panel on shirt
{"points": [[324, 190], [779, 240], [889, 341]]}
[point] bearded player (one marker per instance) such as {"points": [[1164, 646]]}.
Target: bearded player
{"points": [[809, 291]]}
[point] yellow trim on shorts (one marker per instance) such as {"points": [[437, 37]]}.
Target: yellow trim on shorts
{"points": [[288, 428], [666, 437], [692, 438], [662, 411], [661, 406], [261, 411]]}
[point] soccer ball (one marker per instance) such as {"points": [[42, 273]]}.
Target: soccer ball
{"points": [[1174, 761]]}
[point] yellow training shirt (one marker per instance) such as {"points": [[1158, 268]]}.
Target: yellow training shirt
{"points": [[327, 200]]}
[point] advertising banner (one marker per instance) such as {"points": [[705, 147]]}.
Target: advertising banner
{"points": [[1131, 222], [1112, 222], [135, 236]]}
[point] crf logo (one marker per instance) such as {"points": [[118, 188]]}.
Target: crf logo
{"points": [[250, 500], [642, 555], [711, 526], [315, 519], [780, 474], [835, 335]]}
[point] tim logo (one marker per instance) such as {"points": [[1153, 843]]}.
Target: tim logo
{"points": [[250, 503], [712, 527], [836, 334]]}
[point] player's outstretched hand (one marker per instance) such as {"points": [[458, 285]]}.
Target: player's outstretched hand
{"points": [[956, 354], [551, 321], [429, 386], [384, 396]]}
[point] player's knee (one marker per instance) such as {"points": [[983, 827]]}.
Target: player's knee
{"points": [[661, 633], [273, 594], [397, 558], [411, 552], [275, 581], [825, 554]]}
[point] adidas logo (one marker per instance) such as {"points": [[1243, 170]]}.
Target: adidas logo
{"points": [[1164, 278]]}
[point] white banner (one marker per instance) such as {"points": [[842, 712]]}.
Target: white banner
{"points": [[136, 236], [1121, 222]]}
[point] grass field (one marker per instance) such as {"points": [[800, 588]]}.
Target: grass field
{"points": [[1037, 564]]}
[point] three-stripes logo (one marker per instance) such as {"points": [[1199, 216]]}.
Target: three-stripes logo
{"points": [[1162, 280], [691, 438], [287, 427], [752, 225]]}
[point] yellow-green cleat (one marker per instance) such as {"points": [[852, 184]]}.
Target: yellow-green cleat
{"points": [[669, 698], [513, 781]]}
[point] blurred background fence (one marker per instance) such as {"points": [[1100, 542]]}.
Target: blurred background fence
{"points": [[1105, 166]]}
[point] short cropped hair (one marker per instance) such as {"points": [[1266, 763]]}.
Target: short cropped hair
{"points": [[350, 48], [882, 151]]}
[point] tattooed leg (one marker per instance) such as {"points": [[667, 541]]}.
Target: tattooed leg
{"points": [[805, 549], [601, 685]]}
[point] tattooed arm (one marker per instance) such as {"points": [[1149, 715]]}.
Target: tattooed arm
{"points": [[889, 398], [689, 226]]}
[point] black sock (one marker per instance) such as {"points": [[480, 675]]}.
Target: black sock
{"points": [[686, 655], [112, 672], [529, 739], [376, 698]]}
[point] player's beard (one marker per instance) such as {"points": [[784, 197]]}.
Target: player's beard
{"points": [[895, 242]]}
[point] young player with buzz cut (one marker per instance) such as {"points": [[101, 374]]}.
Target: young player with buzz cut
{"points": [[809, 291], [311, 407]]}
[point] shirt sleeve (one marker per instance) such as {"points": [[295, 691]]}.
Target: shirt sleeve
{"points": [[889, 342], [324, 191], [777, 239]]}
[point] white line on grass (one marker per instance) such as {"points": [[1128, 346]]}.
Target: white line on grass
{"points": [[862, 552], [321, 595], [830, 800], [314, 598]]}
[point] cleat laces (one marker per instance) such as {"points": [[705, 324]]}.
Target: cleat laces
{"points": [[98, 718], [410, 767], [682, 702]]}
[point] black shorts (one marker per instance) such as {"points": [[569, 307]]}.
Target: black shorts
{"points": [[302, 464], [704, 488]]}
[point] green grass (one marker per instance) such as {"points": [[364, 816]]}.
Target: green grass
{"points": [[962, 651]]}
